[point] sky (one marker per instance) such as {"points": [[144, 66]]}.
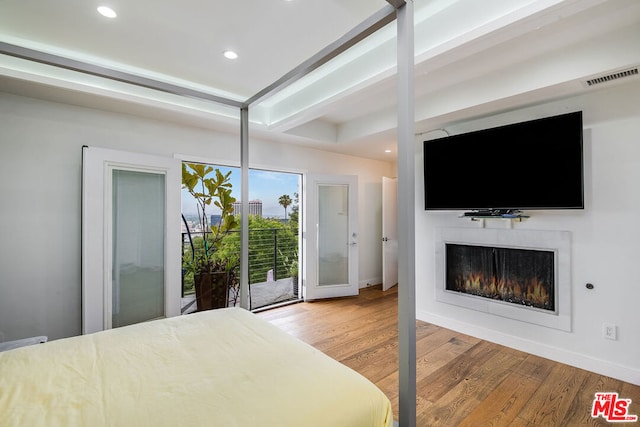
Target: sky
{"points": [[267, 186]]}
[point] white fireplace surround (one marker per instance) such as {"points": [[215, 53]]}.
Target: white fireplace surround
{"points": [[558, 242]]}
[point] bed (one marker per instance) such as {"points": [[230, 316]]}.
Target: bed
{"points": [[217, 368]]}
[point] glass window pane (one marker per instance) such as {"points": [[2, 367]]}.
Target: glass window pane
{"points": [[333, 235], [138, 247]]}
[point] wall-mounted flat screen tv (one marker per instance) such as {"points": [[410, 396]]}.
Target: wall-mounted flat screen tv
{"points": [[536, 164]]}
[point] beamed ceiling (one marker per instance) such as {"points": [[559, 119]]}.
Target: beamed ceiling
{"points": [[473, 59]]}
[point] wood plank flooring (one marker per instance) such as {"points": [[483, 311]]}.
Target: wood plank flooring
{"points": [[461, 380]]}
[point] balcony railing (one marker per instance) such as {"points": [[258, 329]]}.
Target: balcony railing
{"points": [[273, 254]]}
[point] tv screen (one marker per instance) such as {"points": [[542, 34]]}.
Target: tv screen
{"points": [[530, 165]]}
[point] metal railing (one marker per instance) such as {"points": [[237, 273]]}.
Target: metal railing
{"points": [[273, 254]]}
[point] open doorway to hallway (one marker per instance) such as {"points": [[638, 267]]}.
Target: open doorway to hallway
{"points": [[211, 231]]}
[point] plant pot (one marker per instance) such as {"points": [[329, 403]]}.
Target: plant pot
{"points": [[212, 290]]}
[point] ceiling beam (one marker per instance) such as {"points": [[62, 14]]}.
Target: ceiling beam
{"points": [[97, 70], [376, 21]]}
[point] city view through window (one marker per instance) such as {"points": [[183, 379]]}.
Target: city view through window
{"points": [[273, 235]]}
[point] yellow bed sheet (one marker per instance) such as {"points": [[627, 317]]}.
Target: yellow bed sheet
{"points": [[218, 368]]}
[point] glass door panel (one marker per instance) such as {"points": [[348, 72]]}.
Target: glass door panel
{"points": [[330, 244], [333, 234], [138, 219]]}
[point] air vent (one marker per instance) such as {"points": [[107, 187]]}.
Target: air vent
{"points": [[613, 76]]}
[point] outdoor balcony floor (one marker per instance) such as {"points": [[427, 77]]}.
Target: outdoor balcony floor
{"points": [[262, 294]]}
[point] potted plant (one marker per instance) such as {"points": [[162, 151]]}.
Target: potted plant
{"points": [[213, 276], [293, 272], [290, 261]]}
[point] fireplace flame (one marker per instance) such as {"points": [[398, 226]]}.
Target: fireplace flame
{"points": [[531, 292]]}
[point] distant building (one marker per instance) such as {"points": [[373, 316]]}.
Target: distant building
{"points": [[194, 226], [215, 219], [255, 208]]}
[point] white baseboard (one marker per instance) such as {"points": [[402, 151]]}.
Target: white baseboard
{"points": [[602, 367]]}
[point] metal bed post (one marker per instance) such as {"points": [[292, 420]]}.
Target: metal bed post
{"points": [[406, 219], [244, 208]]}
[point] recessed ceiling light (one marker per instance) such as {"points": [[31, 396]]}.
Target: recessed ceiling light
{"points": [[387, 151], [107, 11], [229, 54]]}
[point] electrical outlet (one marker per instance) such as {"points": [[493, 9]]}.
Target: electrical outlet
{"points": [[609, 331]]}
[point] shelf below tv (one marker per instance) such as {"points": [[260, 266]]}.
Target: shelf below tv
{"points": [[495, 214]]}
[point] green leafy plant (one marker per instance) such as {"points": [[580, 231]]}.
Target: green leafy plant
{"points": [[290, 260], [263, 233], [291, 263], [210, 187], [214, 190]]}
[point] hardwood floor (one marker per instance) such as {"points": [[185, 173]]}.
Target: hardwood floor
{"points": [[461, 380]]}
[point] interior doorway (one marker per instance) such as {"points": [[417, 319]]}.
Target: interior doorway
{"points": [[389, 232]]}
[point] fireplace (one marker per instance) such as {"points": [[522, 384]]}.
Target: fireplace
{"points": [[518, 274]]}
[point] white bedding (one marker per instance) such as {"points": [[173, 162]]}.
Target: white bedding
{"points": [[217, 368]]}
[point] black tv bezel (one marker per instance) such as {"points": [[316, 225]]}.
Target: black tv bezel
{"points": [[499, 210]]}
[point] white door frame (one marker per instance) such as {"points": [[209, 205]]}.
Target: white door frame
{"points": [[312, 289], [98, 164]]}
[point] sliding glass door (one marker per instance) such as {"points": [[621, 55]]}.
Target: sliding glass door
{"points": [[274, 230]]}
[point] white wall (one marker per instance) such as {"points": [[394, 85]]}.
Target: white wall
{"points": [[605, 244], [40, 177]]}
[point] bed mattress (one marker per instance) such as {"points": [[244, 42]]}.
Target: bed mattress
{"points": [[216, 368]]}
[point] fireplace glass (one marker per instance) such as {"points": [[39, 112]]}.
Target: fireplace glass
{"points": [[519, 276]]}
